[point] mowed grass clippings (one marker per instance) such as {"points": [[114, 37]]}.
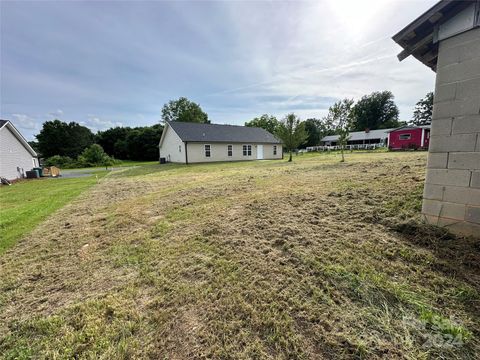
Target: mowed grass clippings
{"points": [[311, 259], [27, 203]]}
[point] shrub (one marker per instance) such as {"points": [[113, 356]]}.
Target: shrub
{"points": [[95, 156], [60, 161]]}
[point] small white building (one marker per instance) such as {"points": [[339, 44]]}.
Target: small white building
{"points": [[369, 139], [16, 155], [379, 137], [186, 143]]}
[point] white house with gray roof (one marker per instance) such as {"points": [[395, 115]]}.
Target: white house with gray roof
{"points": [[186, 143], [16, 155]]}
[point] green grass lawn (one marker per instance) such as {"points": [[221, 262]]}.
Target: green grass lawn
{"points": [[27, 203], [313, 259], [136, 163]]}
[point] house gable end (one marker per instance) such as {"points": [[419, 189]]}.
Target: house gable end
{"points": [[8, 125], [171, 146]]}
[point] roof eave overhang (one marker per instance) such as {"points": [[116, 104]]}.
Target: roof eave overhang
{"points": [[420, 37], [163, 134]]}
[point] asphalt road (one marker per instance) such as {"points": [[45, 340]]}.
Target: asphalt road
{"points": [[78, 173]]}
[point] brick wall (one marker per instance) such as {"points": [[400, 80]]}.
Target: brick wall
{"points": [[452, 187]]}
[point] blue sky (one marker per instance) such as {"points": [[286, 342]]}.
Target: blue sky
{"points": [[108, 63]]}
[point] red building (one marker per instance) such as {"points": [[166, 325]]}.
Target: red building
{"points": [[409, 137]]}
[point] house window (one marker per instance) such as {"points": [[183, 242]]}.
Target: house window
{"points": [[274, 149], [229, 150], [405, 136], [207, 150], [247, 150], [179, 148]]}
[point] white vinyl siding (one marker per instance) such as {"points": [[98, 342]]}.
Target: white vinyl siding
{"points": [[219, 152], [15, 159], [171, 147]]}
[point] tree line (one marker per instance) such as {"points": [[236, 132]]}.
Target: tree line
{"points": [[374, 111], [71, 144]]}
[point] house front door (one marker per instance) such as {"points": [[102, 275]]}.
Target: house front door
{"points": [[259, 152]]}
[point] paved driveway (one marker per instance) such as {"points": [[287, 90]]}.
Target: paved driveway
{"points": [[77, 173]]}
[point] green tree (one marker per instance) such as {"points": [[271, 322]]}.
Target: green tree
{"points": [[340, 117], [34, 145], [292, 133], [108, 161], [59, 161], [422, 115], [316, 130], [142, 142], [94, 156], [120, 149], [184, 110], [65, 139], [267, 122], [111, 141], [375, 111]]}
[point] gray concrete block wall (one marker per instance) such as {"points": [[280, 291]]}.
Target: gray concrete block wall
{"points": [[452, 185]]}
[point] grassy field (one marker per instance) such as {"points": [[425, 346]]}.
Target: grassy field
{"points": [[310, 259], [136, 163], [27, 203]]}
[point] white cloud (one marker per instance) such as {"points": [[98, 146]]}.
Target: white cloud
{"points": [[57, 114], [95, 123], [23, 121], [331, 49], [237, 59]]}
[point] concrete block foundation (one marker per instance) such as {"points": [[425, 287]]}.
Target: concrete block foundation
{"points": [[452, 187]]}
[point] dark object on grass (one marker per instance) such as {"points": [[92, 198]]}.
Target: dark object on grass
{"points": [[5, 181], [40, 171], [163, 160], [32, 174]]}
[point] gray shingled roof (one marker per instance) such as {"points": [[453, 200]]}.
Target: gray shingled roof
{"points": [[3, 122], [196, 132], [362, 135]]}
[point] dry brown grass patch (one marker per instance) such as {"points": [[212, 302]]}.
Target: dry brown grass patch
{"points": [[313, 259]]}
